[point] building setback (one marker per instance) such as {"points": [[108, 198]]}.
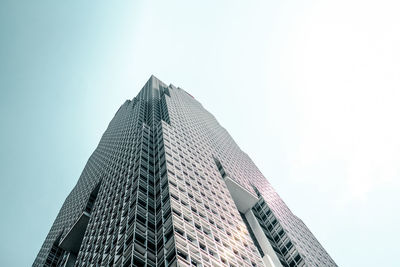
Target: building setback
{"points": [[168, 186]]}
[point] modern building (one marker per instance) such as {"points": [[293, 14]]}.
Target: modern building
{"points": [[168, 186]]}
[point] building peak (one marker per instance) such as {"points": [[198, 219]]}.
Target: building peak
{"points": [[154, 83]]}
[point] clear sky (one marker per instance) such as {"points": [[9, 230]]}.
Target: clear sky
{"points": [[309, 89]]}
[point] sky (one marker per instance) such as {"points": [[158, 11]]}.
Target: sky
{"points": [[308, 89]]}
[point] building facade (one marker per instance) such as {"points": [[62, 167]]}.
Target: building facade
{"points": [[168, 186]]}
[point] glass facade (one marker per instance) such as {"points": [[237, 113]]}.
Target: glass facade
{"points": [[168, 186]]}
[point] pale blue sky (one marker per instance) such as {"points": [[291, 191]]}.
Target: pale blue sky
{"points": [[309, 89]]}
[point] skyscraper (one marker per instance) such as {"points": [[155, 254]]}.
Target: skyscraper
{"points": [[168, 186]]}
